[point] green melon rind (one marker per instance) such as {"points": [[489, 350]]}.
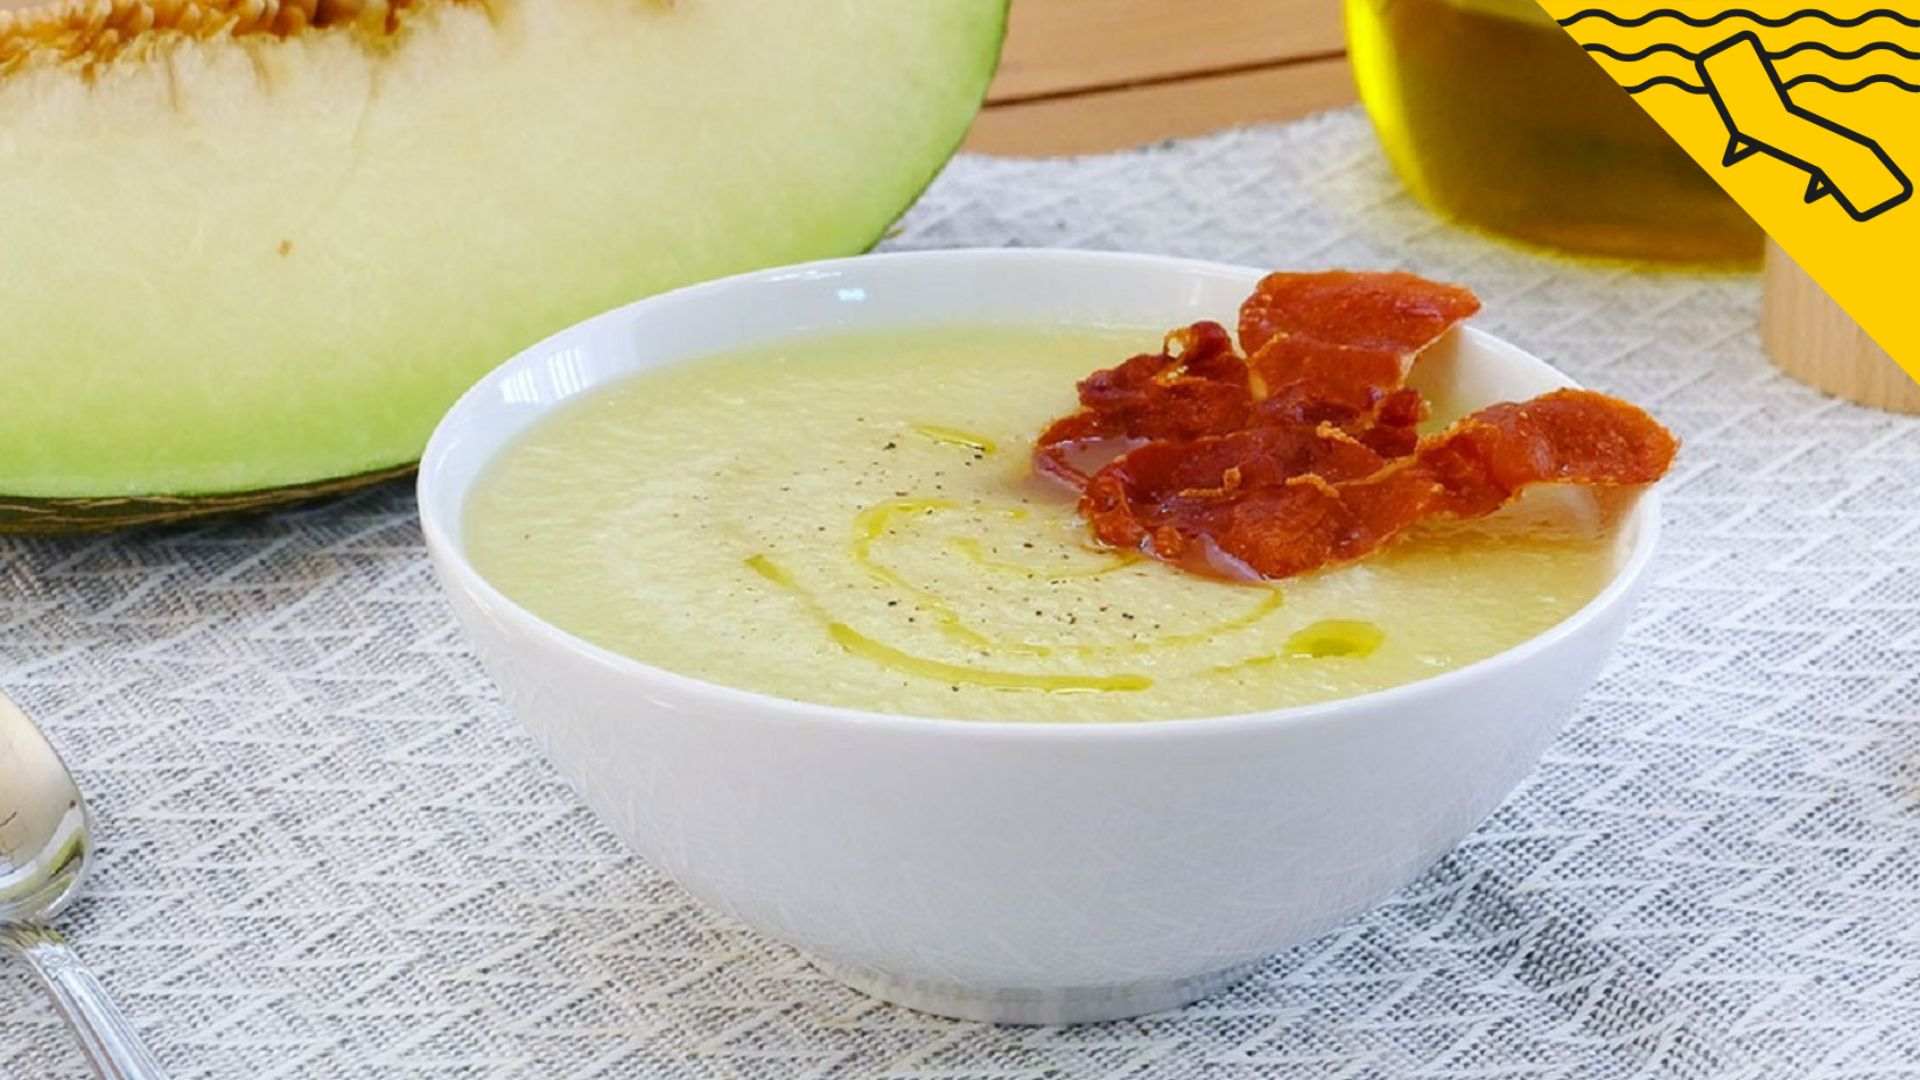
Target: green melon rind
{"points": [[58, 517]]}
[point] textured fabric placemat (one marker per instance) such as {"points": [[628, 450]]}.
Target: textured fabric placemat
{"points": [[328, 851]]}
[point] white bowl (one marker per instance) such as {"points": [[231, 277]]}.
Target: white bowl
{"points": [[1003, 871]]}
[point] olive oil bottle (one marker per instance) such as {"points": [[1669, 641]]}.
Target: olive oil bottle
{"points": [[1495, 117]]}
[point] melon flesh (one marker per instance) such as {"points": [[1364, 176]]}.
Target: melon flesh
{"points": [[242, 261]]}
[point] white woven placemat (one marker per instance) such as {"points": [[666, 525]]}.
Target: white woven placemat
{"points": [[329, 853]]}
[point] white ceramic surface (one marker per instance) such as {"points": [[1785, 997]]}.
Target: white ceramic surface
{"points": [[1024, 873]]}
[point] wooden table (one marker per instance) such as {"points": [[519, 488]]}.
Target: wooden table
{"points": [[1081, 76]]}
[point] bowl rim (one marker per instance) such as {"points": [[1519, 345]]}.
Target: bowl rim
{"points": [[451, 557]]}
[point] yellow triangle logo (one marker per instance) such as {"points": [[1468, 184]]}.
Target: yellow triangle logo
{"points": [[1810, 118]]}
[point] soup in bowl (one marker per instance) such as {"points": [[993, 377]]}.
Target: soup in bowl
{"points": [[765, 568]]}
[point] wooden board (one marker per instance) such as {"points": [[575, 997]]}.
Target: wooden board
{"points": [[1072, 46], [1106, 120], [1082, 76], [1812, 339]]}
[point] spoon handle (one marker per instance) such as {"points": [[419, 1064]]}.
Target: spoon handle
{"points": [[110, 1043]]}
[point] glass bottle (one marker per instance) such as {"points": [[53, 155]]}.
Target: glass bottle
{"points": [[1495, 117]]}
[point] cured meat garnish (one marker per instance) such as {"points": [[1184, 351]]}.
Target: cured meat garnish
{"points": [[1330, 347], [1306, 453], [1337, 346], [1196, 385], [1300, 380], [1276, 502], [1304, 374], [1153, 484], [1391, 311]]}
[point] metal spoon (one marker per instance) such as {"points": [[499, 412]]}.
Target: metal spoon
{"points": [[44, 853]]}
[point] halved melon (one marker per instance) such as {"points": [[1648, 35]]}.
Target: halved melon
{"points": [[253, 249]]}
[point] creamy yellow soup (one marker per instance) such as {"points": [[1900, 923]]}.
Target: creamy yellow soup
{"points": [[852, 520]]}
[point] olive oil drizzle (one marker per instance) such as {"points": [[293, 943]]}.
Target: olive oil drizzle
{"points": [[873, 523], [1263, 660], [863, 646], [1273, 601], [1328, 638], [952, 436], [876, 521], [976, 552], [859, 644], [1335, 637], [1322, 639]]}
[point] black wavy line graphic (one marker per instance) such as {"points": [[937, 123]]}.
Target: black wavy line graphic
{"points": [[1740, 13], [1842, 54], [1641, 54], [1848, 88], [1666, 80], [1798, 80], [1805, 46]]}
